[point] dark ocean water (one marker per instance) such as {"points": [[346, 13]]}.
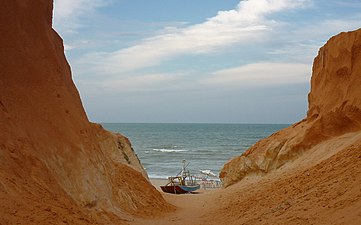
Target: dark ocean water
{"points": [[162, 147]]}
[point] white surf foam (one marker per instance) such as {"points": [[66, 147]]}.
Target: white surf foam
{"points": [[169, 150]]}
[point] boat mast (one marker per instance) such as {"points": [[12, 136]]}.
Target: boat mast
{"points": [[183, 168]]}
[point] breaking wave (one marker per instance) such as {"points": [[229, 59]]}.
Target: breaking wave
{"points": [[169, 150]]}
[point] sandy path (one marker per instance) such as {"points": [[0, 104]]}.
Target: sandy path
{"points": [[190, 209]]}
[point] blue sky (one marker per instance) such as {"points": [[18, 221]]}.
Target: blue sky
{"points": [[198, 61]]}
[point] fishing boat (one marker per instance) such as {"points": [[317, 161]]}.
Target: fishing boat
{"points": [[182, 183]]}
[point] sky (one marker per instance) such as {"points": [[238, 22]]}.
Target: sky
{"points": [[204, 61]]}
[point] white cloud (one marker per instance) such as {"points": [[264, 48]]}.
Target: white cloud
{"points": [[68, 47], [261, 74], [251, 75], [301, 43], [149, 82], [349, 3], [244, 24], [68, 12], [329, 27]]}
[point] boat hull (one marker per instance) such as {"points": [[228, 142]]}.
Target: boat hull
{"points": [[177, 189]]}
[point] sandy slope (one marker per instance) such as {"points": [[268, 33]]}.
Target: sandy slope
{"points": [[334, 109], [55, 166], [311, 190]]}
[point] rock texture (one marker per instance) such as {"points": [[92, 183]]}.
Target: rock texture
{"points": [[55, 166], [334, 110]]}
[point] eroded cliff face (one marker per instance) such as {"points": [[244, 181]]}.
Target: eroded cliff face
{"points": [[56, 166], [334, 110]]}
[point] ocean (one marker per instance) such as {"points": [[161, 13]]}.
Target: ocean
{"points": [[161, 147]]}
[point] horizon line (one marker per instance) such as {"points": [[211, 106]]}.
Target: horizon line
{"points": [[245, 123]]}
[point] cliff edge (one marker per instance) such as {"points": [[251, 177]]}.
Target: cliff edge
{"points": [[55, 166], [334, 111]]}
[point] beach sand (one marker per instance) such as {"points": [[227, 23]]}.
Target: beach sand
{"points": [[189, 207], [156, 182]]}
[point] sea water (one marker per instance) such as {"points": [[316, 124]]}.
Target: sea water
{"points": [[161, 147]]}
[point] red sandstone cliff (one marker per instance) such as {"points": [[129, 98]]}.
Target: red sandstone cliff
{"points": [[55, 166], [334, 111]]}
